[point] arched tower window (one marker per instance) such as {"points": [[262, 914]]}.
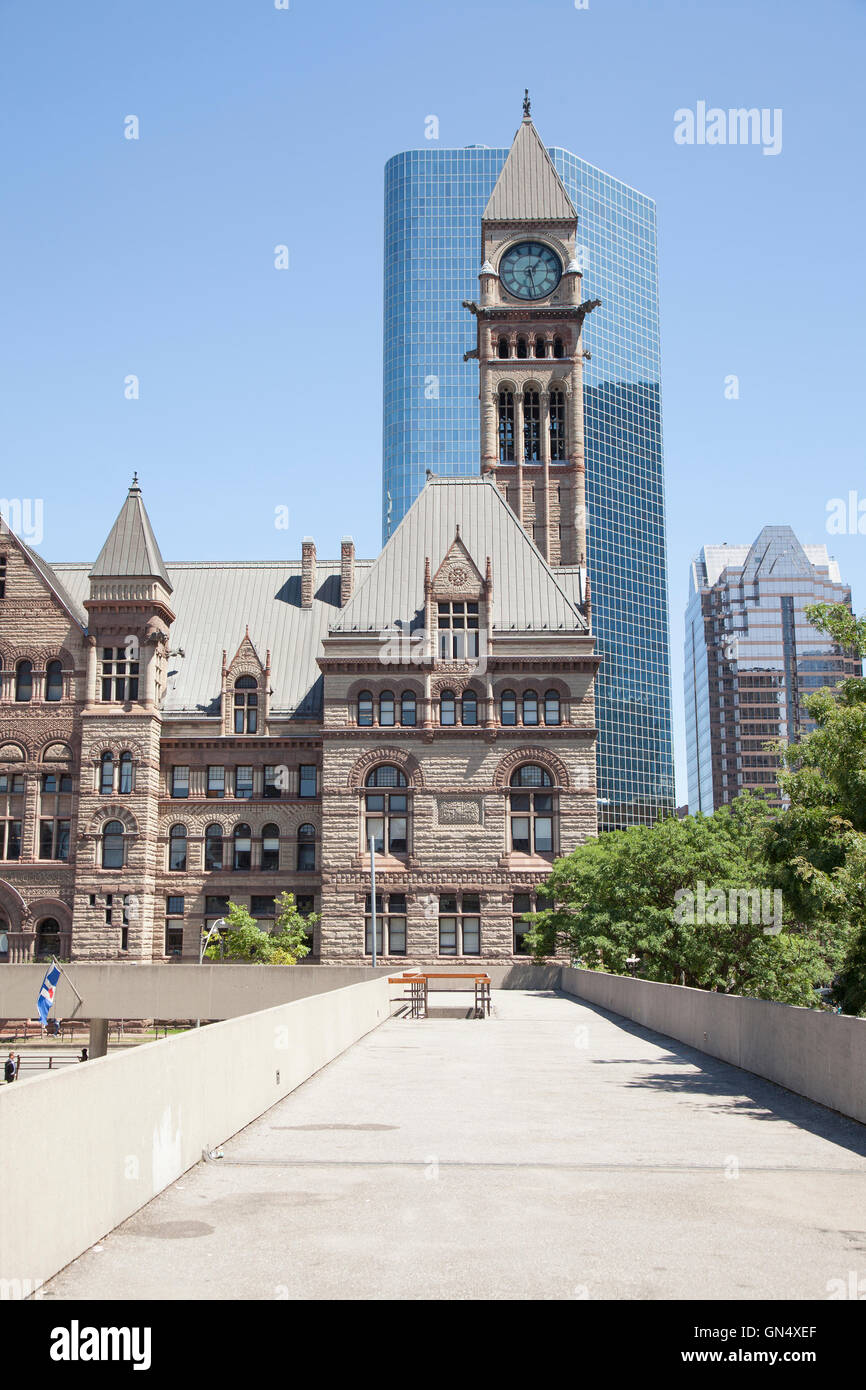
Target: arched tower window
{"points": [[24, 681], [522, 350], [386, 816], [246, 705], [530, 707], [213, 847], [540, 347], [502, 347], [386, 709], [531, 810], [508, 707], [408, 708], [270, 847], [506, 427], [469, 707], [113, 845], [447, 708], [551, 707], [243, 847], [125, 783], [177, 849], [558, 347], [306, 848], [531, 427], [106, 774], [365, 709], [54, 680], [557, 426]]}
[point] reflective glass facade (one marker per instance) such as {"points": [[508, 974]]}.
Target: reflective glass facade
{"points": [[751, 658], [434, 201]]}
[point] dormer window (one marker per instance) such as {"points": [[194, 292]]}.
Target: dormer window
{"points": [[458, 631], [246, 705]]}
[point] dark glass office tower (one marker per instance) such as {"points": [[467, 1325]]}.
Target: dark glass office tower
{"points": [[434, 201]]}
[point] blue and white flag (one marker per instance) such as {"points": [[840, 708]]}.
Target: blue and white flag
{"points": [[47, 993]]}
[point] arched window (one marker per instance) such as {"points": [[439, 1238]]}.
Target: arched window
{"points": [[505, 407], [213, 847], [469, 707], [177, 849], [54, 680], [558, 348], [246, 705], [113, 845], [106, 775], [447, 708], [508, 707], [365, 709], [531, 810], [125, 784], [521, 348], [48, 937], [386, 810], [243, 847], [557, 426], [24, 681], [270, 847], [502, 347], [530, 707], [408, 708], [386, 709], [540, 347], [306, 848], [531, 427], [551, 707]]}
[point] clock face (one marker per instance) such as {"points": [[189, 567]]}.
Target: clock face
{"points": [[530, 270]]}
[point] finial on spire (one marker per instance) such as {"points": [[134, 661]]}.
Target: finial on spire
{"points": [[135, 480], [526, 103]]}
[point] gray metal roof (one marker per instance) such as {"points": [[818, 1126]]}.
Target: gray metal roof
{"points": [[528, 188], [131, 548], [216, 602], [526, 594]]}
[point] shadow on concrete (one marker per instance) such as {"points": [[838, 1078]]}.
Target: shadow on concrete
{"points": [[736, 1091]]}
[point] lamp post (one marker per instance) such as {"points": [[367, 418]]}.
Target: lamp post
{"points": [[373, 894], [204, 941]]}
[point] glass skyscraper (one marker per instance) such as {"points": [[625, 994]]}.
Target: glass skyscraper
{"points": [[751, 657], [434, 201]]}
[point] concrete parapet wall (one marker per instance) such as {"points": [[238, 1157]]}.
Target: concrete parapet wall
{"points": [[121, 989], [85, 1147], [817, 1054]]}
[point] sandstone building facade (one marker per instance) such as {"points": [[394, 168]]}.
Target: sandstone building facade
{"points": [[172, 737]]}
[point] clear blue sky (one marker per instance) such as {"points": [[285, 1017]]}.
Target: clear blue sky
{"points": [[259, 127]]}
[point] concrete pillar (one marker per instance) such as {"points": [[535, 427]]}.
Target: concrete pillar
{"points": [[98, 1037]]}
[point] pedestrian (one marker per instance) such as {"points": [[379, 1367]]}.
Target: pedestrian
{"points": [[10, 1071], [83, 1057]]}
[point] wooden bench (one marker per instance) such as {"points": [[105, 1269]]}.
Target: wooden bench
{"points": [[418, 982]]}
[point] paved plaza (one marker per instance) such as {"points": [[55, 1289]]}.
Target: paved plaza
{"points": [[553, 1151]]}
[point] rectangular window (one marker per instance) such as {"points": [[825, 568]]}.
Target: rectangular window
{"points": [[54, 839], [180, 782], [173, 939], [119, 673], [216, 782], [10, 839], [243, 783], [458, 631], [459, 924], [216, 904], [390, 925], [174, 906], [522, 903], [308, 784], [272, 784], [2, 576]]}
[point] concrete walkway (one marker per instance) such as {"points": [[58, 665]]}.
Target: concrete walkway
{"points": [[550, 1152]]}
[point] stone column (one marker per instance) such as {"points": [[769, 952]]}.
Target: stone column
{"points": [[544, 402], [98, 1037], [519, 450]]}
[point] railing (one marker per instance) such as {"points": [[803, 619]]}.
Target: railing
{"points": [[30, 945]]}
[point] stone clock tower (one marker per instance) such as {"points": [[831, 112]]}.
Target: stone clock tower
{"points": [[530, 352]]}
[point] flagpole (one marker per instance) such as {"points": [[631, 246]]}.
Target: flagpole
{"points": [[55, 961]]}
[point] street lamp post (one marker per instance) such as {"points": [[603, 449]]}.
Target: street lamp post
{"points": [[373, 894], [203, 944]]}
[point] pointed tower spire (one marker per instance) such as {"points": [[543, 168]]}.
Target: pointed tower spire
{"points": [[131, 550], [529, 188]]}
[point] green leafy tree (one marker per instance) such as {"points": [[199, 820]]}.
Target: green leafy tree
{"points": [[627, 893], [243, 939], [818, 848]]}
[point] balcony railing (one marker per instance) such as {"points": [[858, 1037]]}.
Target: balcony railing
{"points": [[30, 945]]}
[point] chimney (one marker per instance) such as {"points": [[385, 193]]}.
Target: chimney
{"points": [[308, 571], [347, 569]]}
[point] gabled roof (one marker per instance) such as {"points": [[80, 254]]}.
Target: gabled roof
{"points": [[48, 577], [131, 548], [214, 604], [528, 188], [526, 594]]}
